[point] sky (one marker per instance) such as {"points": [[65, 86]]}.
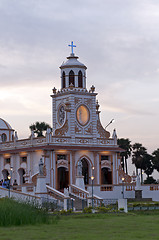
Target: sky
{"points": [[118, 41]]}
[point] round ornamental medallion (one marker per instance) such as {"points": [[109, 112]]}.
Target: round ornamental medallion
{"points": [[82, 115], [61, 115]]}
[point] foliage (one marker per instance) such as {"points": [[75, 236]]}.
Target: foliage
{"points": [[150, 180], [148, 164], [103, 209], [87, 210], [17, 213], [125, 144], [138, 153], [155, 159], [143, 204], [49, 206], [64, 212], [39, 128]]}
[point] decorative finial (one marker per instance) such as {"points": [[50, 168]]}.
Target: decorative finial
{"points": [[92, 88], [72, 46], [54, 90]]}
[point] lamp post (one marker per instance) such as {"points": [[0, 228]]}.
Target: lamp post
{"points": [[123, 186], [110, 123], [9, 178], [92, 178]]}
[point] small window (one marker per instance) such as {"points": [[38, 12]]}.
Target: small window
{"points": [[63, 80], [104, 157], [24, 159], [7, 160], [80, 79], [61, 157], [71, 78], [4, 137]]}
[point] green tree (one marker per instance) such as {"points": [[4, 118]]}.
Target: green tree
{"points": [[147, 164], [156, 159], [150, 180], [39, 128], [138, 157], [125, 144]]}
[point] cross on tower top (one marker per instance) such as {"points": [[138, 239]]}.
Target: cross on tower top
{"points": [[72, 46]]}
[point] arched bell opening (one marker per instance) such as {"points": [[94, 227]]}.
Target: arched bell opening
{"points": [[63, 80], [106, 176], [80, 79], [71, 78], [21, 172], [62, 178]]}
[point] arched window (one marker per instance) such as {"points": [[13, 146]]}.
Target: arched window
{"points": [[80, 79], [71, 78], [63, 80], [4, 137]]}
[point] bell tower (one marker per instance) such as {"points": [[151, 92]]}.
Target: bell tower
{"points": [[73, 73], [75, 109]]}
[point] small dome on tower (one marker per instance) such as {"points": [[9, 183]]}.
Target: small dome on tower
{"points": [[72, 62]]}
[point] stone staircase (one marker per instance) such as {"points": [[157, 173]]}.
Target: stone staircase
{"points": [[79, 204]]}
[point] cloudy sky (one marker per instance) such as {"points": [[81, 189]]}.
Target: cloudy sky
{"points": [[118, 40]]}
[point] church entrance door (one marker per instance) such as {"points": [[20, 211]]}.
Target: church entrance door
{"points": [[106, 176], [21, 172], [63, 178], [85, 171]]}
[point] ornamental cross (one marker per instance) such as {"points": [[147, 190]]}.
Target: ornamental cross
{"points": [[72, 46]]}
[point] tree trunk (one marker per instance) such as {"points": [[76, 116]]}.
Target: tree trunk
{"points": [[136, 171], [126, 167], [141, 176]]}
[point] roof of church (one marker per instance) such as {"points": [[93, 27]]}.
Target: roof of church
{"points": [[72, 61], [4, 125]]}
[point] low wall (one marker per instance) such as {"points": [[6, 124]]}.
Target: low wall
{"points": [[115, 192], [18, 195]]}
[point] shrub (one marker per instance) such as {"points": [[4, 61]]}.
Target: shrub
{"points": [[64, 212], [87, 210], [103, 209]]}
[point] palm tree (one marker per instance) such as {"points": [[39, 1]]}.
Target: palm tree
{"points": [[148, 165], [124, 143], [155, 159], [39, 128], [138, 157]]}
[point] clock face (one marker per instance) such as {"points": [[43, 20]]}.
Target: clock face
{"points": [[82, 115], [61, 115]]}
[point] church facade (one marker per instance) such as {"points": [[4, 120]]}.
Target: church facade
{"points": [[77, 135]]}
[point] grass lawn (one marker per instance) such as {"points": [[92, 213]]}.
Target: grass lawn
{"points": [[129, 226]]}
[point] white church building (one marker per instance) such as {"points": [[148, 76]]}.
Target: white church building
{"points": [[78, 154]]}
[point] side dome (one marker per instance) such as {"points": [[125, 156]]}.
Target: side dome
{"points": [[6, 131], [4, 125]]}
